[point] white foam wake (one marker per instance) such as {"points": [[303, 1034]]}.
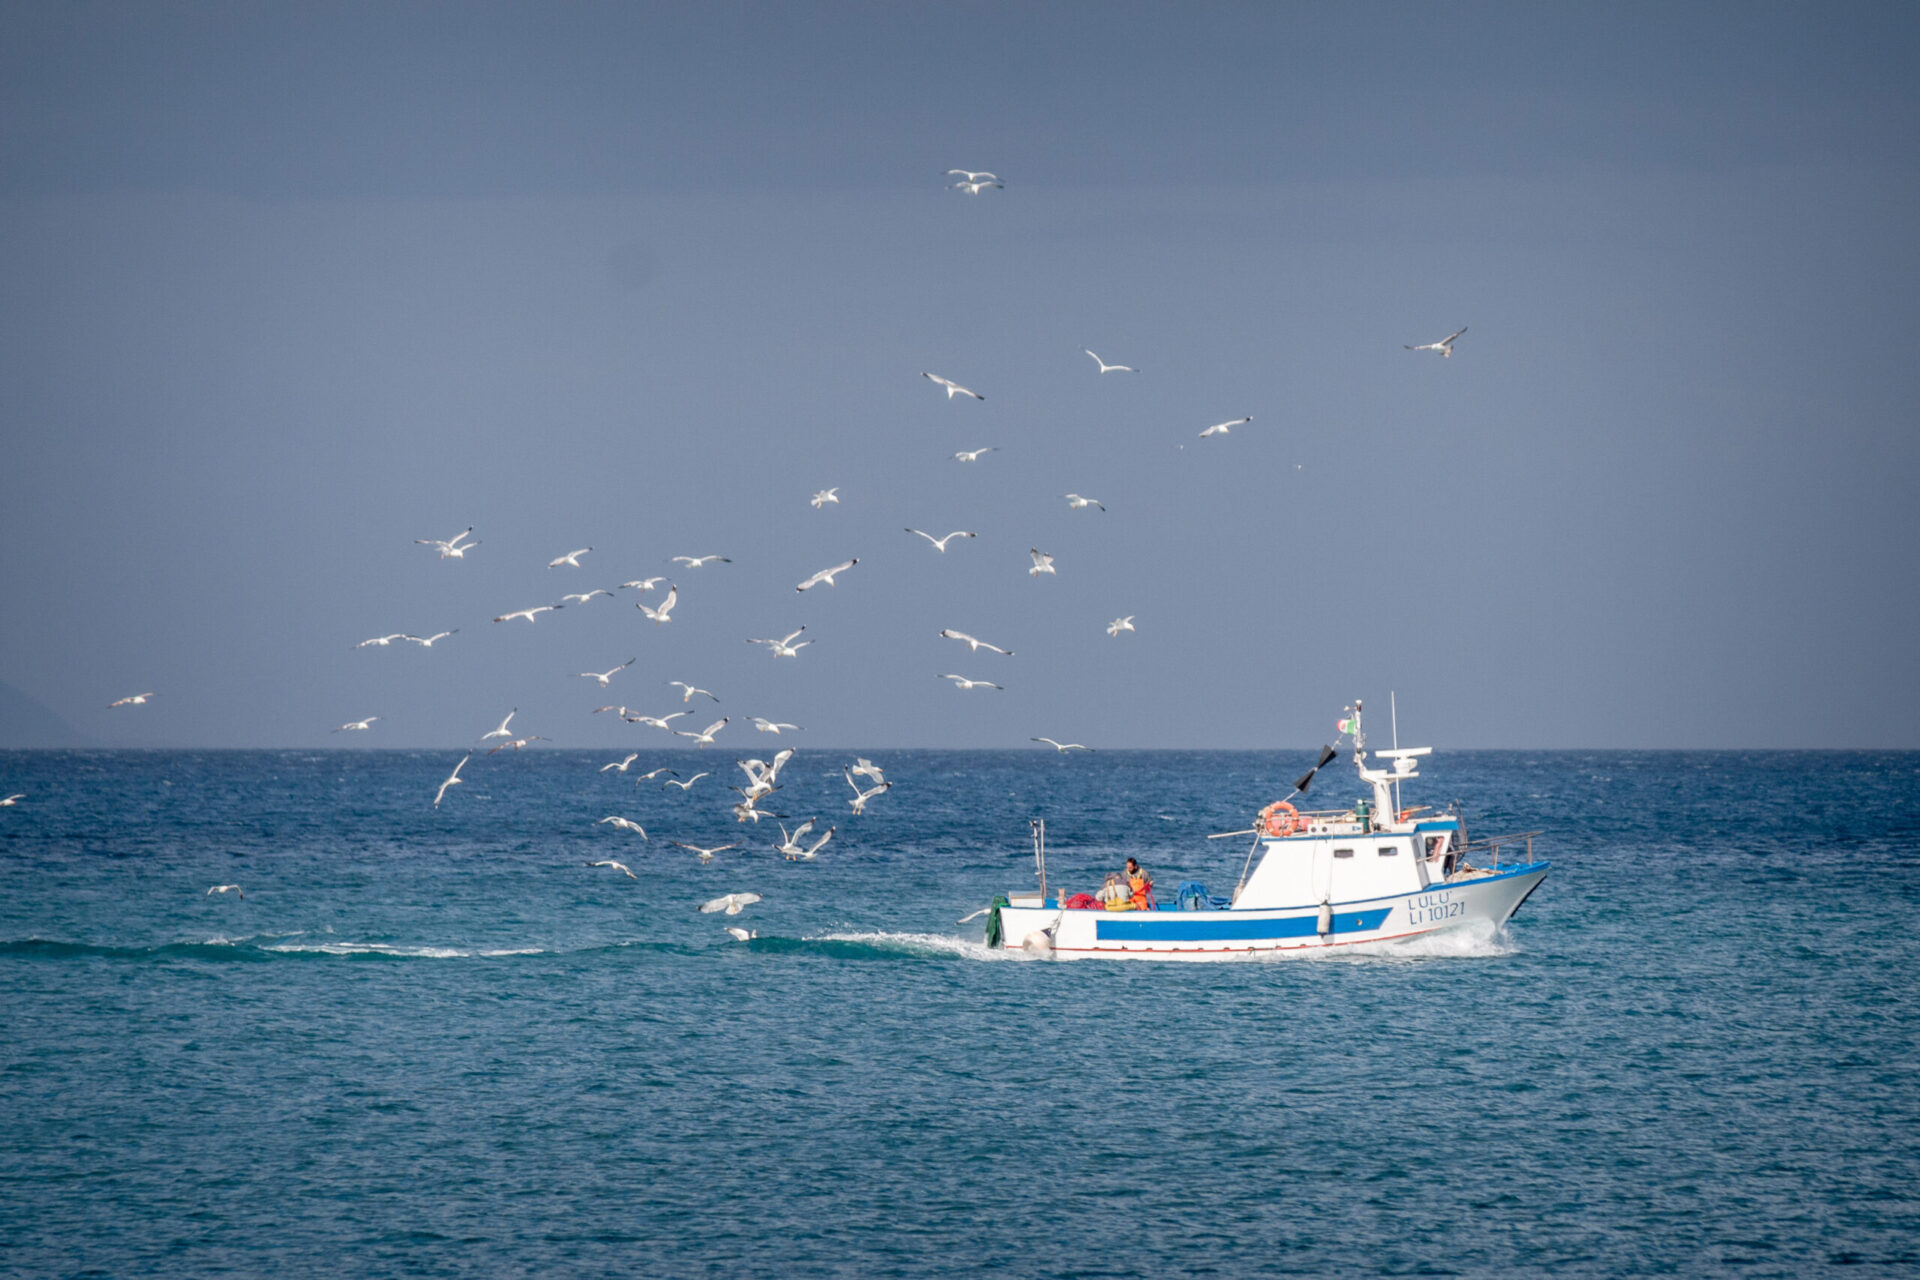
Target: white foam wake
{"points": [[1469, 942], [921, 944], [400, 952]]}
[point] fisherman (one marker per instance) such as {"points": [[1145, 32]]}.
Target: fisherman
{"points": [[1139, 887]]}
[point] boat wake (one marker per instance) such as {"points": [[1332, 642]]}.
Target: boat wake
{"points": [[256, 948], [883, 944]]}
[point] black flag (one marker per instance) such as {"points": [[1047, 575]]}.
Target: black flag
{"points": [[1306, 780]]}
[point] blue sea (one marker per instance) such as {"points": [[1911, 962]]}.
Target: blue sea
{"points": [[434, 1043]]}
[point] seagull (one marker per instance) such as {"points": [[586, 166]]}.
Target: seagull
{"points": [[624, 711], [351, 725], [865, 768], [773, 726], [1076, 502], [642, 584], [784, 648], [453, 780], [650, 776], [1118, 625], [808, 855], [860, 798], [1042, 563], [731, 904], [761, 776], [744, 812], [974, 188], [696, 562], [826, 575], [1444, 346], [13, 799], [382, 641], [660, 614], [704, 738], [940, 544], [623, 824], [620, 765], [501, 732], [824, 496], [605, 677], [1064, 747], [531, 615], [581, 597], [1223, 428], [974, 645], [427, 642], [742, 934], [962, 683], [517, 744], [706, 855], [790, 844], [617, 866], [137, 700], [1111, 368], [688, 690], [226, 888], [970, 176], [451, 548], [953, 388], [571, 559], [973, 455], [657, 722], [688, 784]]}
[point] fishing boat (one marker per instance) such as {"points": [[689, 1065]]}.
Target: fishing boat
{"points": [[1373, 873]]}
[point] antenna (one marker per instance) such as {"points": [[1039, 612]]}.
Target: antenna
{"points": [[1393, 712]]}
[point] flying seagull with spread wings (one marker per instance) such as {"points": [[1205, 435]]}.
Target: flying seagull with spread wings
{"points": [[1111, 368], [605, 677], [1223, 428], [826, 575], [973, 645], [704, 738], [664, 612], [453, 780], [1444, 346], [785, 648], [940, 544], [451, 548], [953, 388]]}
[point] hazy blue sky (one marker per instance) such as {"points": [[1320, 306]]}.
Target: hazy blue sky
{"points": [[287, 287]]}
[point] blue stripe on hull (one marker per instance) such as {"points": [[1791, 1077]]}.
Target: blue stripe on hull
{"points": [[1177, 930]]}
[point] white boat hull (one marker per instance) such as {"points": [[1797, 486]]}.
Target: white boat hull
{"points": [[1473, 900]]}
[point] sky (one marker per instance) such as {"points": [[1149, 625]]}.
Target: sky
{"points": [[288, 287]]}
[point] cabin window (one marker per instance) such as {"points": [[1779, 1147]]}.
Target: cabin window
{"points": [[1343, 853], [1388, 850]]}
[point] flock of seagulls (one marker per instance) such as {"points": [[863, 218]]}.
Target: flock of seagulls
{"points": [[761, 777]]}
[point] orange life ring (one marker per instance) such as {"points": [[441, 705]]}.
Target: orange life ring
{"points": [[1280, 818]]}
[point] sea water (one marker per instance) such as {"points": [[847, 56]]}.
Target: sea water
{"points": [[433, 1042]]}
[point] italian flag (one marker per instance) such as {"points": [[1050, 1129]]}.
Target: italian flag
{"points": [[1346, 725]]}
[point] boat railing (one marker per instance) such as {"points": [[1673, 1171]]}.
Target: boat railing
{"points": [[1493, 845]]}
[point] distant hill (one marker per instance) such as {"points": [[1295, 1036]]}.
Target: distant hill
{"points": [[27, 722]]}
